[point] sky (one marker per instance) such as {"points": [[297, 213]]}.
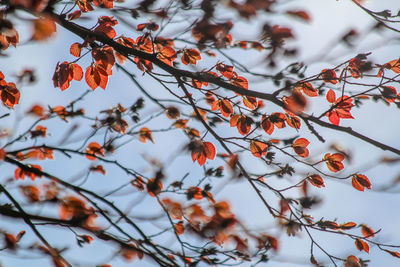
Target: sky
{"points": [[330, 18]]}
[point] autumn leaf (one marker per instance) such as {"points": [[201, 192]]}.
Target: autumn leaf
{"points": [[316, 180], [341, 107], [75, 49], [154, 187], [9, 94], [393, 253], [96, 76], [250, 102], [240, 81], [172, 112], [167, 54], [194, 192], [151, 26], [98, 168], [300, 147], [242, 122], [362, 245], [145, 134], [106, 26], [190, 56], [40, 131], [307, 89], [179, 228], [201, 151], [367, 231], [360, 181], [31, 192], [20, 173], [334, 161], [11, 37], [74, 15], [93, 150], [347, 226], [224, 106], [301, 14], [65, 73], [258, 149], [43, 28], [226, 70], [173, 208], [352, 261], [267, 125], [329, 76]]}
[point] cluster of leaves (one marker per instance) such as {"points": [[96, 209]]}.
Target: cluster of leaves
{"points": [[204, 101]]}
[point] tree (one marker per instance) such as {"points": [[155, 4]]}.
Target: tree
{"points": [[156, 177]]}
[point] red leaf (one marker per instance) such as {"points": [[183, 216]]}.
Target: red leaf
{"points": [[301, 14], [329, 76], [76, 49], [267, 126], [316, 180], [331, 96], [367, 231], [362, 245], [145, 134], [352, 261], [190, 56], [258, 149], [93, 150], [154, 187], [393, 253], [334, 162], [300, 147]]}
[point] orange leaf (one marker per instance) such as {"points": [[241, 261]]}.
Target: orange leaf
{"points": [[394, 65], [308, 89], [362, 245], [334, 162], [331, 96], [243, 123], [190, 56], [76, 49], [329, 76], [250, 102], [145, 134], [347, 226], [96, 76], [240, 82], [267, 125], [43, 28], [352, 261], [393, 253], [9, 94], [194, 192], [201, 151], [226, 70], [301, 14], [21, 173], [179, 228], [74, 15], [209, 150], [316, 180], [360, 181], [300, 147], [154, 187], [367, 231], [167, 54], [258, 149], [98, 168], [173, 208], [93, 150]]}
